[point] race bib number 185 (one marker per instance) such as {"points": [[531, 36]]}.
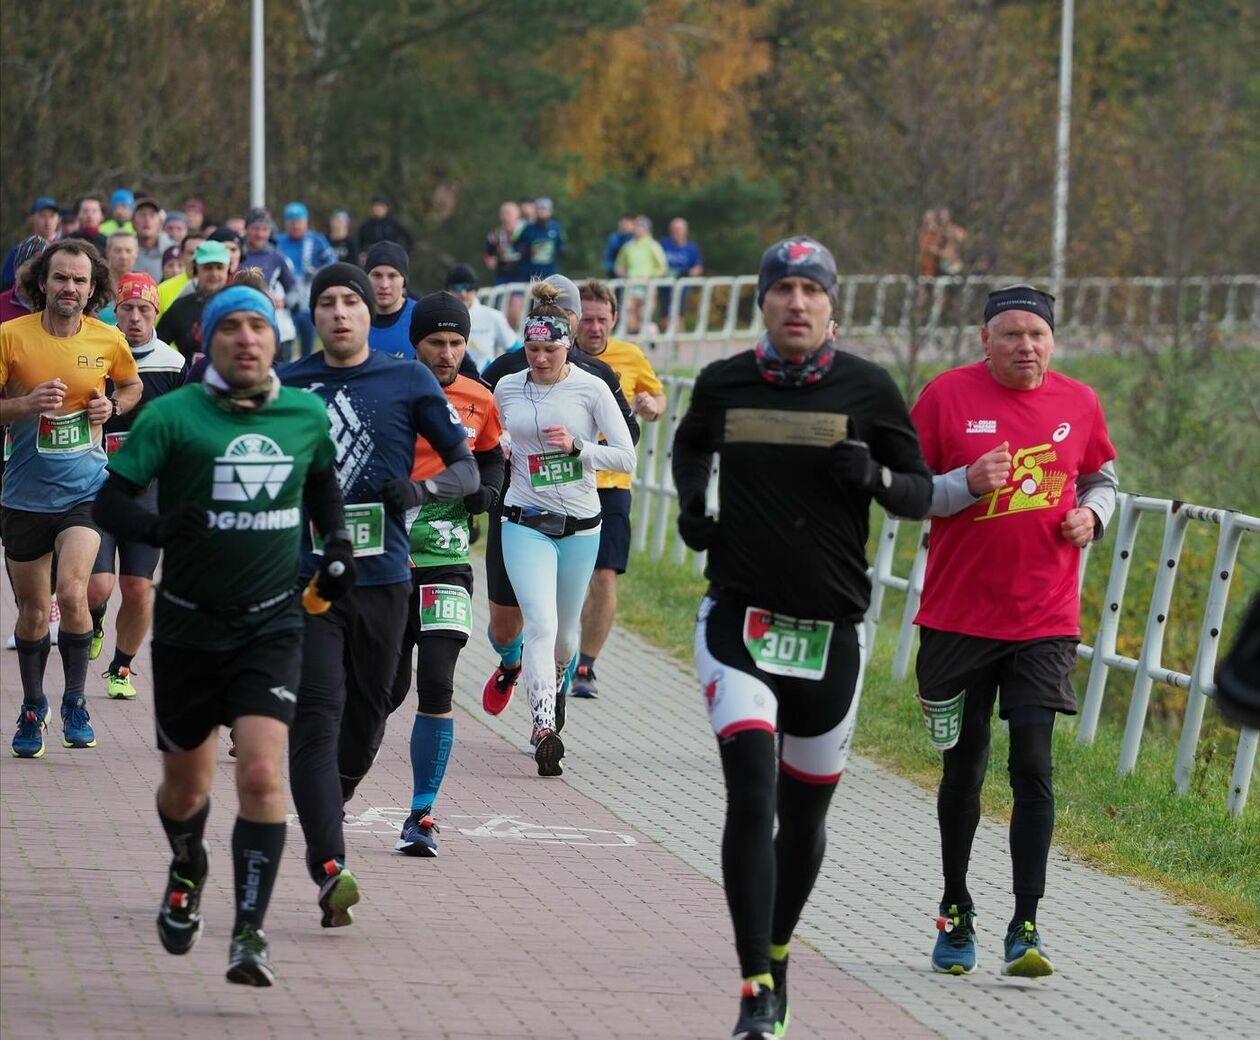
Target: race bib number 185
{"points": [[445, 608]]}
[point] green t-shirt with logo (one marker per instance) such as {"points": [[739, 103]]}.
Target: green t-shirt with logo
{"points": [[439, 534], [248, 469]]}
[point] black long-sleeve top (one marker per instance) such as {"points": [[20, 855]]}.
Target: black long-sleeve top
{"points": [[790, 537]]}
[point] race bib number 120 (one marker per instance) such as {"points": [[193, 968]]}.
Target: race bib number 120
{"points": [[783, 645], [64, 434]]}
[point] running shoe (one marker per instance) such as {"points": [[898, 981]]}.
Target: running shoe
{"points": [[560, 702], [418, 837], [249, 964], [28, 741], [179, 916], [1025, 956], [98, 639], [778, 972], [955, 950], [758, 1012], [119, 686], [77, 729], [584, 685], [338, 892], [549, 753], [497, 693]]}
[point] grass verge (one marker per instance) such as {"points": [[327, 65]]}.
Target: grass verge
{"points": [[1134, 825]]}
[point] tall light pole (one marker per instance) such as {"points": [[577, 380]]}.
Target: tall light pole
{"points": [[1059, 247], [257, 112]]}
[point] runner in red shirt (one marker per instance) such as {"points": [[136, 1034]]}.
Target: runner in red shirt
{"points": [[1024, 481]]}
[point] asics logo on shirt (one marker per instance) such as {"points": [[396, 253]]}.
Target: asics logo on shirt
{"points": [[1061, 432], [252, 463]]}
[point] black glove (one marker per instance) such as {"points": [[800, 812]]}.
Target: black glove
{"points": [[337, 573], [185, 523], [474, 530], [481, 500], [698, 531], [852, 465], [401, 495]]}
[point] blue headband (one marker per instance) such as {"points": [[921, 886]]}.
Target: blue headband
{"points": [[227, 301]]}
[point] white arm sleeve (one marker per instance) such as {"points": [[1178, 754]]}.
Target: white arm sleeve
{"points": [[1097, 491], [950, 493], [618, 454]]}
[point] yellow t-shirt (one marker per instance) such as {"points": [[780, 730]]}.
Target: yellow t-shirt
{"points": [[169, 290], [637, 377]]}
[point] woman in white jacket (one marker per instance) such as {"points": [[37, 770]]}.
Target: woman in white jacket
{"points": [[553, 414]]}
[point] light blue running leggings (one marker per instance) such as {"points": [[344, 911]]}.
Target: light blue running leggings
{"points": [[549, 577]]}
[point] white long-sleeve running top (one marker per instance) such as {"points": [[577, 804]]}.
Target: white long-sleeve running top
{"points": [[545, 477]]}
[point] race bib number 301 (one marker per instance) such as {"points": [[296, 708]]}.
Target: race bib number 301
{"points": [[552, 468], [783, 645], [445, 608], [64, 434], [366, 523]]}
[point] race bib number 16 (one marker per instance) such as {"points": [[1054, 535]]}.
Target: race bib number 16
{"points": [[783, 645]]}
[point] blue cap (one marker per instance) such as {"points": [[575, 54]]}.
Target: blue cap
{"points": [[295, 211], [44, 202], [230, 300], [122, 197]]}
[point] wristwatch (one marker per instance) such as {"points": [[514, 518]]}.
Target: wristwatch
{"points": [[117, 407], [885, 476], [576, 450]]}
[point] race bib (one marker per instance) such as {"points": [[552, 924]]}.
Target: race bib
{"points": [[943, 720], [783, 645], [8, 443], [553, 468], [64, 434], [114, 441], [366, 523], [445, 608]]}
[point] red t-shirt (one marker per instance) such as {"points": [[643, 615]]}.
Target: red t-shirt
{"points": [[1000, 568]]}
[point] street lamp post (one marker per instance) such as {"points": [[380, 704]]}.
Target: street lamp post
{"points": [[257, 112], [1059, 246]]}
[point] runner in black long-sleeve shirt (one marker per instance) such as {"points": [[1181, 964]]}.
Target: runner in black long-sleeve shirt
{"points": [[808, 435]]}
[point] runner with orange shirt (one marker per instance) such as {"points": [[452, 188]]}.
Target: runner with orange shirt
{"points": [[440, 613]]}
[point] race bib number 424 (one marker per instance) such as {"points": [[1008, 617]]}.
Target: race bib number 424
{"points": [[783, 645], [551, 468]]}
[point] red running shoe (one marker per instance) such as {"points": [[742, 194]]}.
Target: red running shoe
{"points": [[496, 695]]}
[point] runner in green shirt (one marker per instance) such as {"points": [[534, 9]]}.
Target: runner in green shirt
{"points": [[237, 458]]}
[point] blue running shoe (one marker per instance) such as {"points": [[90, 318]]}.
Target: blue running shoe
{"points": [[1025, 956], [28, 741], [584, 683], [955, 950], [418, 837], [77, 729]]}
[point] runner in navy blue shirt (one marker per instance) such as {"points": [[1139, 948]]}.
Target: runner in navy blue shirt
{"points": [[377, 407]]}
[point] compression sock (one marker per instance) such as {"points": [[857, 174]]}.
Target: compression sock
{"points": [[187, 838], [74, 648], [98, 616], [32, 658], [256, 851], [431, 742], [120, 661], [777, 952], [509, 653]]}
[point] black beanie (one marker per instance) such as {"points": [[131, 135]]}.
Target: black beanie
{"points": [[391, 254], [439, 312], [800, 257], [1020, 298], [461, 274], [342, 274]]}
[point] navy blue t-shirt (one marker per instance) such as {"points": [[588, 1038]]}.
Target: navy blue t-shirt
{"points": [[375, 412], [393, 337]]}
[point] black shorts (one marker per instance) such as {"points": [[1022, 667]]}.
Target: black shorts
{"points": [[135, 559], [32, 536], [498, 584], [614, 533], [196, 690], [1028, 672]]}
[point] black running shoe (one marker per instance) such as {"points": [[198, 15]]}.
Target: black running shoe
{"points": [[778, 972], [248, 961], [179, 916], [758, 1010], [549, 753]]}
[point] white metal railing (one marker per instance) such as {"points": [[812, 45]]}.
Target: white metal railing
{"points": [[693, 320], [653, 527]]}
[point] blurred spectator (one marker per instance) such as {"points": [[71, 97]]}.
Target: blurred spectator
{"points": [[172, 262], [928, 242], [235, 242], [236, 224], [171, 288], [381, 227], [69, 221], [951, 242], [121, 251], [175, 226], [89, 216], [180, 325], [683, 256], [528, 208], [489, 334], [13, 304], [641, 257], [307, 251], [44, 221], [345, 245], [195, 212], [541, 242], [277, 272], [623, 234], [500, 253], [121, 203], [153, 241]]}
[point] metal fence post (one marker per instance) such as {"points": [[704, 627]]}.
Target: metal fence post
{"points": [[914, 590], [1244, 764]]}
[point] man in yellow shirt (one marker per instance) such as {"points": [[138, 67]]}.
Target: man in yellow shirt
{"points": [[644, 392], [53, 367]]}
